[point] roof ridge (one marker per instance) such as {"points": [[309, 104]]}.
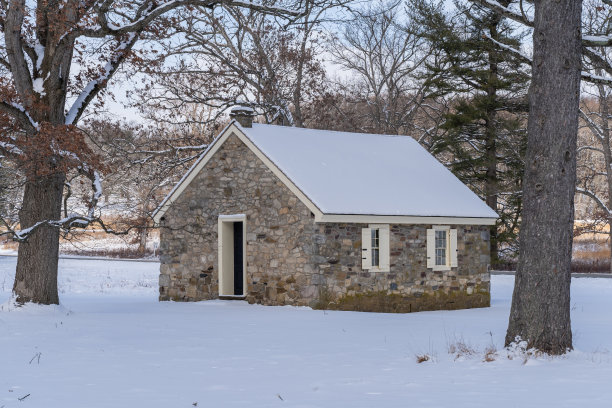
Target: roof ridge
{"points": [[330, 131]]}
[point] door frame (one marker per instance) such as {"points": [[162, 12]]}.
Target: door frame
{"points": [[226, 266]]}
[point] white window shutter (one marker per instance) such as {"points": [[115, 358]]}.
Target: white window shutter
{"points": [[366, 248], [431, 248], [384, 248], [453, 248]]}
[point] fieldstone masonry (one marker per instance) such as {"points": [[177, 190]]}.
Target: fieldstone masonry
{"points": [[291, 260]]}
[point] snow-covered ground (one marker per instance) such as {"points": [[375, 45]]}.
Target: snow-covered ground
{"points": [[111, 344]]}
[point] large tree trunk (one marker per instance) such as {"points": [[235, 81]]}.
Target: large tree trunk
{"points": [[491, 190], [491, 182], [540, 311], [36, 276]]}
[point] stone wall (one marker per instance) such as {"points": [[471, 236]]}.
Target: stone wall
{"points": [[293, 260], [278, 231], [412, 286]]}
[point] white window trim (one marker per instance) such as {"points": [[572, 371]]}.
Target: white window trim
{"points": [[451, 258], [384, 245]]}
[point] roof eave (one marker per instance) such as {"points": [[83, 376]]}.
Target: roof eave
{"points": [[404, 219]]}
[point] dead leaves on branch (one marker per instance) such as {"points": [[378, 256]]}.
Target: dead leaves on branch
{"points": [[53, 149]]}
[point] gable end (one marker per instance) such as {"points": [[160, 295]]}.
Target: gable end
{"points": [[191, 174]]}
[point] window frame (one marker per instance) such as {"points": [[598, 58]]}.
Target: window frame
{"points": [[375, 247], [384, 250], [451, 248], [445, 248]]}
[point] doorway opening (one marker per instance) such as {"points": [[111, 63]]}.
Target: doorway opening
{"points": [[232, 260]]}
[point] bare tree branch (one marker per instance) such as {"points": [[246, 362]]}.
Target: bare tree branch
{"points": [[96, 85], [594, 197], [20, 114]]}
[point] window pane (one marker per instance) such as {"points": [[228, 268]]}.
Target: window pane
{"points": [[375, 257], [440, 247], [375, 247]]}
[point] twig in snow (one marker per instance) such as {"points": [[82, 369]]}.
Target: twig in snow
{"points": [[37, 358], [24, 397], [279, 397]]}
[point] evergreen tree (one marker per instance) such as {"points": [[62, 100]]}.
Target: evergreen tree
{"points": [[483, 134]]}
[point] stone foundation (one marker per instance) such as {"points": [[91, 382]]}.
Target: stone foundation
{"points": [[384, 302]]}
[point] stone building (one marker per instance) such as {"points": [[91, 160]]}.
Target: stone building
{"points": [[288, 216]]}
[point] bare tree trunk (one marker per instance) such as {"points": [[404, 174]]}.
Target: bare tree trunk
{"points": [[491, 190], [540, 311], [491, 182], [142, 242], [36, 276]]}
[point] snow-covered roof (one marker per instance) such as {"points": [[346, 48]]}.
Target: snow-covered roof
{"points": [[366, 174], [353, 177]]}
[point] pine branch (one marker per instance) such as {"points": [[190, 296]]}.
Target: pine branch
{"points": [[595, 79], [587, 40], [597, 40], [517, 53], [586, 76], [504, 11], [597, 60]]}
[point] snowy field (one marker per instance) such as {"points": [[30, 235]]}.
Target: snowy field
{"points": [[111, 344]]}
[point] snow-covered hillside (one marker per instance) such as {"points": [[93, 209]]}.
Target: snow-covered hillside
{"points": [[111, 344]]}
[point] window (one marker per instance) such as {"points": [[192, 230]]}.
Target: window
{"points": [[375, 248], [441, 248], [441, 239]]}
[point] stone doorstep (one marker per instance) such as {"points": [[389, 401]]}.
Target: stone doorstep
{"points": [[232, 297]]}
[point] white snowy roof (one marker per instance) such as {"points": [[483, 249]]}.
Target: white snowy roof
{"points": [[353, 177], [365, 174]]}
